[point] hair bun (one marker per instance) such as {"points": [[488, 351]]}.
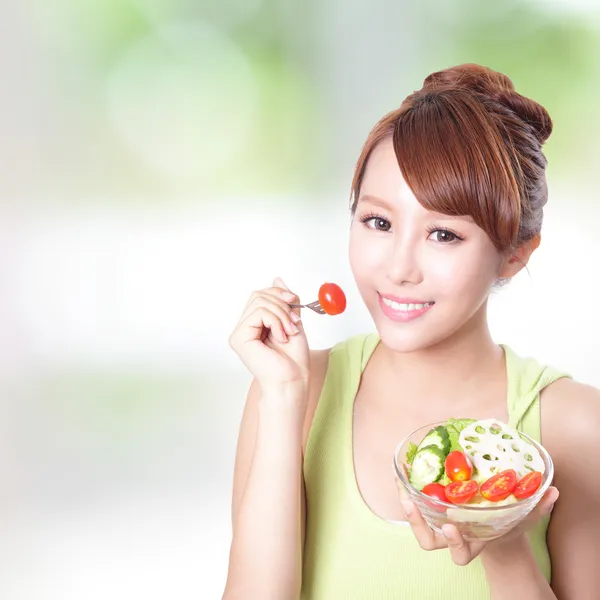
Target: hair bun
{"points": [[497, 87]]}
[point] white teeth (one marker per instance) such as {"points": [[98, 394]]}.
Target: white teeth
{"points": [[405, 307]]}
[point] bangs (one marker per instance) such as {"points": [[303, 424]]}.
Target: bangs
{"points": [[453, 157]]}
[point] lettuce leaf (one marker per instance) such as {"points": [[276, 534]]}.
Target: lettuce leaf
{"points": [[454, 427], [410, 453], [459, 424], [444, 479]]}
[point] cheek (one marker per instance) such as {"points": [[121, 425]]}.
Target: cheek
{"points": [[469, 273], [366, 255]]}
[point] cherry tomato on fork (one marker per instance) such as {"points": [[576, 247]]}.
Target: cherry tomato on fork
{"points": [[332, 298]]}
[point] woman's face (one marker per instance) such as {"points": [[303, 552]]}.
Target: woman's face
{"points": [[422, 275]]}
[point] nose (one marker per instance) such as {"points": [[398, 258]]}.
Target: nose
{"points": [[404, 264]]}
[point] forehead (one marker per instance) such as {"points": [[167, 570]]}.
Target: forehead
{"points": [[383, 184], [383, 177]]}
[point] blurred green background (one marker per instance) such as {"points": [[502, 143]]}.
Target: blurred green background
{"points": [[164, 158]]}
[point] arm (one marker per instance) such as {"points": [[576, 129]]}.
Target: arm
{"points": [[265, 556], [574, 532], [268, 497], [512, 572], [571, 416]]}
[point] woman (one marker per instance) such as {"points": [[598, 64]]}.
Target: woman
{"points": [[447, 203]]}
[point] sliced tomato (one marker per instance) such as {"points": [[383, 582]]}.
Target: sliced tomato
{"points": [[458, 466], [528, 485], [499, 486], [460, 492], [332, 298]]}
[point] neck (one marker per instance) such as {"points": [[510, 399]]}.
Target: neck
{"points": [[453, 370]]}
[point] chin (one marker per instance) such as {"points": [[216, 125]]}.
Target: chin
{"points": [[405, 342], [421, 334]]}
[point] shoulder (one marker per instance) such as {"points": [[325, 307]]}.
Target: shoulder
{"points": [[571, 410], [570, 422]]}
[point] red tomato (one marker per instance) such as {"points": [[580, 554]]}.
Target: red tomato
{"points": [[499, 486], [332, 298], [435, 490], [458, 466], [460, 492], [528, 485]]}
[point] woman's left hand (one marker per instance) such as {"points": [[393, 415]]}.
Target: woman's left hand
{"points": [[462, 551]]}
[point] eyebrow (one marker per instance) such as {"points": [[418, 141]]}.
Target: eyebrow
{"points": [[374, 200], [383, 204]]}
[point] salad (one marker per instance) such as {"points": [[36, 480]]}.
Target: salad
{"points": [[475, 462]]}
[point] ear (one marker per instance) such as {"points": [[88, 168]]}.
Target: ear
{"points": [[519, 257]]}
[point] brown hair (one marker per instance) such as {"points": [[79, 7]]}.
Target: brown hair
{"points": [[468, 144]]}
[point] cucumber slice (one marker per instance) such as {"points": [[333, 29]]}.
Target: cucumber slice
{"points": [[438, 436], [427, 466]]}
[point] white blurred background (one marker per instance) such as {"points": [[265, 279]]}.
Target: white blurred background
{"points": [[161, 160]]}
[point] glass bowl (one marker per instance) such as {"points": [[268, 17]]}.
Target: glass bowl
{"points": [[475, 522]]}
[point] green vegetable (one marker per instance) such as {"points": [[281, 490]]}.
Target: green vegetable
{"points": [[427, 466], [438, 436], [410, 453], [454, 427], [459, 424], [444, 480], [453, 437]]}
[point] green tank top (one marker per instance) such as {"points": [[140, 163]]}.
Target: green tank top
{"points": [[353, 554]]}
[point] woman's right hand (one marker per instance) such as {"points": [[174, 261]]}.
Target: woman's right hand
{"points": [[270, 339]]}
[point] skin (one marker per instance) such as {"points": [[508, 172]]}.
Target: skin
{"points": [[399, 248]]}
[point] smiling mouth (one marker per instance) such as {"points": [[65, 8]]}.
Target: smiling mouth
{"points": [[406, 306]]}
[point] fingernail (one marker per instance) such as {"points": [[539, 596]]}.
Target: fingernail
{"points": [[408, 507], [288, 296], [295, 317], [294, 328]]}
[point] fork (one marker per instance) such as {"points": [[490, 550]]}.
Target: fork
{"points": [[314, 306]]}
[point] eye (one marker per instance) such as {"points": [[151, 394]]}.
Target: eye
{"points": [[443, 236], [376, 222]]}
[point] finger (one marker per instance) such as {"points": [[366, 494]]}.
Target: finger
{"points": [[543, 509], [549, 500], [284, 299], [280, 288], [460, 550], [279, 283], [276, 306], [254, 325], [544, 506], [427, 538]]}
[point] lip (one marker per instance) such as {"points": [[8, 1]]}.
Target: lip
{"points": [[403, 316], [404, 300]]}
